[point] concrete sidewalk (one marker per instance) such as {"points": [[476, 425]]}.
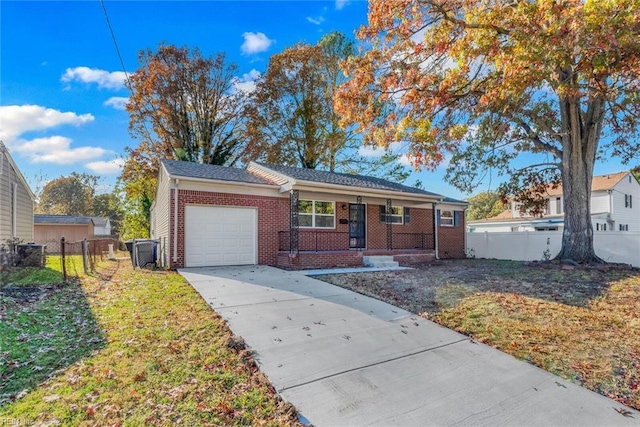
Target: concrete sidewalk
{"points": [[344, 359]]}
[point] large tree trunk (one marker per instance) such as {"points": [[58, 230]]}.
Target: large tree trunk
{"points": [[580, 137]]}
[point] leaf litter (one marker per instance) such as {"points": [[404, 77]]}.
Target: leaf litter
{"points": [[582, 324]]}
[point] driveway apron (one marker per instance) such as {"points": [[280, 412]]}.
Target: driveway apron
{"points": [[344, 359]]}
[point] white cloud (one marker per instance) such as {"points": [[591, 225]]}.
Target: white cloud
{"points": [[317, 20], [255, 43], [117, 102], [340, 4], [57, 149], [377, 151], [18, 119], [405, 160], [368, 151], [246, 82], [104, 79], [109, 167]]}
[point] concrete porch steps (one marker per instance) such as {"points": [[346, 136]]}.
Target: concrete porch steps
{"points": [[379, 261]]}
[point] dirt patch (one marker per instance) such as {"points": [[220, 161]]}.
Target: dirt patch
{"points": [[440, 285]]}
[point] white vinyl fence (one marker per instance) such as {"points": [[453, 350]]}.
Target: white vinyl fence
{"points": [[611, 246]]}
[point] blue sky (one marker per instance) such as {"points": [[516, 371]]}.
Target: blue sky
{"points": [[61, 81]]}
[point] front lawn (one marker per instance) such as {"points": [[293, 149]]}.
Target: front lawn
{"points": [[128, 347], [583, 325]]}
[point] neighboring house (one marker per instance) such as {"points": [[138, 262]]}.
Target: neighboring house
{"points": [[615, 206], [49, 229], [102, 226], [206, 215], [16, 201]]}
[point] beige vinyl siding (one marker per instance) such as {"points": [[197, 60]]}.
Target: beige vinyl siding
{"points": [[50, 234], [160, 216], [24, 205]]}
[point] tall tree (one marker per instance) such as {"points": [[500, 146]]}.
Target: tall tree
{"points": [[485, 205], [109, 205], [68, 195], [182, 106], [291, 118], [487, 82], [288, 118]]}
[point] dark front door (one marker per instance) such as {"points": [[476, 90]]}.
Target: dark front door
{"points": [[357, 221]]}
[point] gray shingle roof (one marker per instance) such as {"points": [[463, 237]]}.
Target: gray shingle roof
{"points": [[221, 173], [99, 221], [61, 219], [345, 179], [452, 200]]}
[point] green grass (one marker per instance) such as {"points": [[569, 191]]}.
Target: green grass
{"points": [[41, 337], [160, 357]]}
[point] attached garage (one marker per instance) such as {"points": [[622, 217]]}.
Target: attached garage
{"points": [[216, 236]]}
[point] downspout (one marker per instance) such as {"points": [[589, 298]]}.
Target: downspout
{"points": [[435, 229], [464, 229], [610, 207], [175, 220]]}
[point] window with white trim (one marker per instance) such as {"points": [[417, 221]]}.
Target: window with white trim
{"points": [[395, 217], [558, 205], [624, 227], [446, 218], [628, 201], [316, 214], [601, 227]]}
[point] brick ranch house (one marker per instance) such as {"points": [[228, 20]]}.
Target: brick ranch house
{"points": [[206, 215]]}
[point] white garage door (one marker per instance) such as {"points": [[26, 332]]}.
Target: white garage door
{"points": [[219, 236]]}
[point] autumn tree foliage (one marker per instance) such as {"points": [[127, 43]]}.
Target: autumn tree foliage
{"points": [[183, 105], [485, 82], [291, 118], [69, 195]]}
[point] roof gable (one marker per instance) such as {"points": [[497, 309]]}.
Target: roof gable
{"points": [[100, 221], [599, 183], [5, 152]]}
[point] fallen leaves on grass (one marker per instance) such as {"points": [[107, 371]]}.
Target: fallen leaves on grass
{"points": [[165, 361], [583, 325]]}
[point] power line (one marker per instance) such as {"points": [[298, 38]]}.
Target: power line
{"points": [[115, 43]]}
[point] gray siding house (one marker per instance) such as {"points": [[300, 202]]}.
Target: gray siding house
{"points": [[16, 201]]}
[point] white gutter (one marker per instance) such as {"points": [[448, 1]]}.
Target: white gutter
{"points": [[220, 181], [175, 220], [371, 192]]}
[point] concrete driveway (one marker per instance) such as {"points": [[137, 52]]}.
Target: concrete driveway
{"points": [[344, 359]]}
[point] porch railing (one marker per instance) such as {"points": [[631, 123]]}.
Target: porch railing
{"points": [[327, 240]]}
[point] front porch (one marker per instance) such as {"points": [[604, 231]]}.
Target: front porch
{"points": [[329, 248]]}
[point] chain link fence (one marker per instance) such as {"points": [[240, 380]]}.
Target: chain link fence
{"points": [[80, 257]]}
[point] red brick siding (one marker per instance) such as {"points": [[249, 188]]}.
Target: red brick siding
{"points": [[272, 212], [412, 259], [420, 221], [451, 241], [273, 216], [304, 261]]}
